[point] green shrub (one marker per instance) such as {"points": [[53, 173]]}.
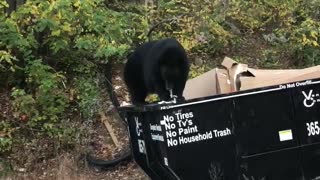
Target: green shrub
{"points": [[48, 56], [85, 85], [46, 99], [197, 24], [49, 50]]}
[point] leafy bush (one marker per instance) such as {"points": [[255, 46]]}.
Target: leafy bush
{"points": [[48, 56], [85, 86], [197, 24], [5, 137], [46, 99], [197, 70], [299, 34], [306, 39], [49, 50]]}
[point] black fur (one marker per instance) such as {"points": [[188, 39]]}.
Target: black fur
{"points": [[156, 67], [146, 71]]}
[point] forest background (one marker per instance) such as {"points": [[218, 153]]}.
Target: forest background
{"points": [[52, 83]]}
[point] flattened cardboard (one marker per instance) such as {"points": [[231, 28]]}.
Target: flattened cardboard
{"points": [[304, 76], [234, 75], [215, 81], [266, 72], [223, 82], [265, 78], [228, 62], [201, 86], [231, 78], [234, 70]]}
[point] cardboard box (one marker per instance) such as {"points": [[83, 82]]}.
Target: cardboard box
{"points": [[201, 86], [235, 70], [216, 81], [234, 76], [223, 83]]}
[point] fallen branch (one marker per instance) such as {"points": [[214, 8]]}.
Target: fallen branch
{"points": [[109, 128]]}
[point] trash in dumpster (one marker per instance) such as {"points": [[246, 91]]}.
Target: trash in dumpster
{"points": [[237, 123]]}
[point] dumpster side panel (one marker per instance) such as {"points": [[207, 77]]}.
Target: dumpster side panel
{"points": [[138, 143], [156, 146], [266, 130], [269, 133], [307, 114], [200, 140]]}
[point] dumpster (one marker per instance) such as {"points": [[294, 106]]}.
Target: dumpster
{"points": [[265, 133]]}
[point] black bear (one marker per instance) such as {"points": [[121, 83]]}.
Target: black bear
{"points": [[159, 67]]}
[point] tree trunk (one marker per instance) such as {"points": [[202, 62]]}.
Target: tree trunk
{"points": [[12, 6]]}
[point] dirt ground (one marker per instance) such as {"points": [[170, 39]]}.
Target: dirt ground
{"points": [[65, 167]]}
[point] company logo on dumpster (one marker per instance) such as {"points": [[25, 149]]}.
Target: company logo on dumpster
{"points": [[142, 148], [310, 98], [138, 124], [141, 143]]}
